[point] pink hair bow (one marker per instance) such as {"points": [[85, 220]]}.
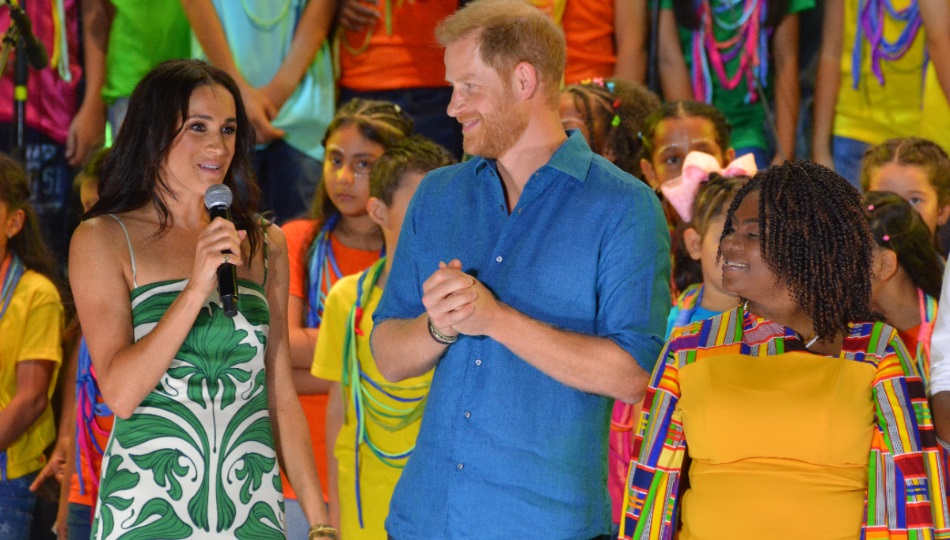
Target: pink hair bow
{"points": [[681, 191]]}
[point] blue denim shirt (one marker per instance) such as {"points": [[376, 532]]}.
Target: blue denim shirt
{"points": [[505, 451]]}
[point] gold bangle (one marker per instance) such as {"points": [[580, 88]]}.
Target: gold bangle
{"points": [[322, 531]]}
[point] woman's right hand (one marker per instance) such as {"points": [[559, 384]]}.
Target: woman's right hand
{"points": [[220, 242]]}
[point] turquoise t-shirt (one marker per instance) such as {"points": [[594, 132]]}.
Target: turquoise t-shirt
{"points": [[747, 119], [259, 33]]}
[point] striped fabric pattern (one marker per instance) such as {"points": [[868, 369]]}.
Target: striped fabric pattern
{"points": [[905, 472]]}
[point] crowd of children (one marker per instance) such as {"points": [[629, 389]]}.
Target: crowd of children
{"points": [[726, 107]]}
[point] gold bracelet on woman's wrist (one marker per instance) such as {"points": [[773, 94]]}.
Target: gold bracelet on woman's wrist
{"points": [[322, 531]]}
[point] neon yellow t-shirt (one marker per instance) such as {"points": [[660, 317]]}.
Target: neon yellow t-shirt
{"points": [[31, 329], [377, 479], [873, 113]]}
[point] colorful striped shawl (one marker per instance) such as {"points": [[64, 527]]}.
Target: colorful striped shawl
{"points": [[928, 315], [905, 470]]}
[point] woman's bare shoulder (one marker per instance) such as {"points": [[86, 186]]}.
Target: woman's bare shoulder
{"points": [[100, 246], [99, 231]]}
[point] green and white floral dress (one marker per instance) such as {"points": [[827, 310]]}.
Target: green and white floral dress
{"points": [[196, 459]]}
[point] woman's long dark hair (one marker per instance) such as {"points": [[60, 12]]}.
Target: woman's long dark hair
{"points": [[28, 244], [815, 239], [131, 174], [896, 226]]}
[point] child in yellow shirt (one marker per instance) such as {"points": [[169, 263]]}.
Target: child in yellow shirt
{"points": [[371, 424]]}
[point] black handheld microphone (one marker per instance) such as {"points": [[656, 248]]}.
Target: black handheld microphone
{"points": [[218, 202], [35, 51]]}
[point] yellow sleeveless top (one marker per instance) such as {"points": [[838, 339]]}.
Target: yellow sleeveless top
{"points": [[779, 446]]}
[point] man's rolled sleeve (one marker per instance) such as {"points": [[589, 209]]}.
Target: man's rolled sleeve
{"points": [[635, 271]]}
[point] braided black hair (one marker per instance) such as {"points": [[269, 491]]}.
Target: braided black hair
{"points": [[600, 103], [683, 109], [896, 226], [815, 238], [381, 122]]}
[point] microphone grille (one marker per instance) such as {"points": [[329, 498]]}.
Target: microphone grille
{"points": [[218, 195]]}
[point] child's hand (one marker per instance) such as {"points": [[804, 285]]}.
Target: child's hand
{"points": [[357, 14]]}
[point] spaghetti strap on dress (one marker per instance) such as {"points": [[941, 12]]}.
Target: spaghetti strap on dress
{"points": [[128, 240], [197, 459]]}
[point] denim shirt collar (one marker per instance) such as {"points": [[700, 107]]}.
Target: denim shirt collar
{"points": [[572, 158]]}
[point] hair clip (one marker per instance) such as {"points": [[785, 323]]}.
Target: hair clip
{"points": [[870, 208], [616, 121], [398, 108], [616, 103], [610, 86], [886, 238]]}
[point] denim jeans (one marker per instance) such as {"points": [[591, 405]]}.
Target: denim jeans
{"points": [[847, 154], [288, 179], [51, 194], [762, 159], [16, 508], [79, 521], [116, 114], [297, 525], [426, 106]]}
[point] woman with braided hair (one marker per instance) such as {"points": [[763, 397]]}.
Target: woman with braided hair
{"points": [[801, 413]]}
